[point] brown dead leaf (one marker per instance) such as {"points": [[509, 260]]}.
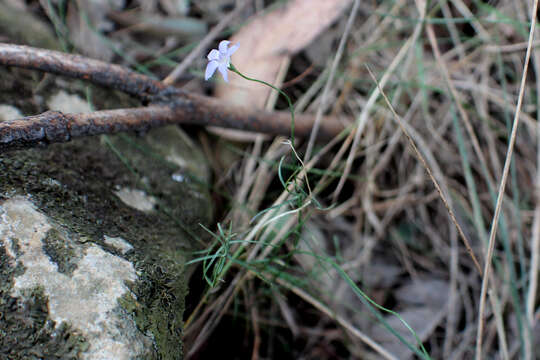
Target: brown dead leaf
{"points": [[270, 38], [268, 41]]}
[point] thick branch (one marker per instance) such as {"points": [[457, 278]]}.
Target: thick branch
{"points": [[170, 105], [80, 67], [54, 126]]}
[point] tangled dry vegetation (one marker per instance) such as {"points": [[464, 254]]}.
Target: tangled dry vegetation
{"points": [[454, 81], [312, 237]]}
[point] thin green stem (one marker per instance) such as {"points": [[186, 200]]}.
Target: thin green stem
{"points": [[291, 108]]}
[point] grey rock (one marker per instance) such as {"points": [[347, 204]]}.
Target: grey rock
{"points": [[85, 274]]}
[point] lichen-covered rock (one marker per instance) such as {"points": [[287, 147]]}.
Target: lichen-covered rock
{"points": [[85, 273], [94, 233], [86, 297]]}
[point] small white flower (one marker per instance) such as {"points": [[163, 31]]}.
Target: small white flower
{"points": [[220, 59]]}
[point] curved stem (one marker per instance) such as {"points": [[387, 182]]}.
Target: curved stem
{"points": [[291, 108]]}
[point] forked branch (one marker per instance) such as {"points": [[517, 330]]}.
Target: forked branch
{"points": [[168, 105]]}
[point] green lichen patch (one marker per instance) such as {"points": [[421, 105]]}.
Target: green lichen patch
{"points": [[7, 272], [15, 246], [161, 291], [60, 251], [26, 331]]}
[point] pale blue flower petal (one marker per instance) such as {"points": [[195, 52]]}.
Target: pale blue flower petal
{"points": [[220, 59], [232, 49], [223, 45], [210, 69], [213, 55], [223, 70]]}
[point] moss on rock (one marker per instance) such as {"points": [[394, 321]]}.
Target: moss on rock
{"points": [[74, 185], [26, 332]]}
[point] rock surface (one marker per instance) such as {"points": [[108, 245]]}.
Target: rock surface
{"points": [[87, 297], [85, 273]]}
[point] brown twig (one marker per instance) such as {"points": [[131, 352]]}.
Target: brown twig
{"points": [[55, 126], [80, 67], [169, 105], [298, 78]]}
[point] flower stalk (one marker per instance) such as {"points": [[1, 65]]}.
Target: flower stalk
{"points": [[220, 59]]}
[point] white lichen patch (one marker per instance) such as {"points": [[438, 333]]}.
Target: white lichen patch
{"points": [[137, 199], [52, 182], [118, 243], [177, 160], [62, 101], [88, 299], [178, 176], [8, 112]]}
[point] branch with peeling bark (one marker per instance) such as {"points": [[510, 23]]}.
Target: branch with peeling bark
{"points": [[168, 105]]}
